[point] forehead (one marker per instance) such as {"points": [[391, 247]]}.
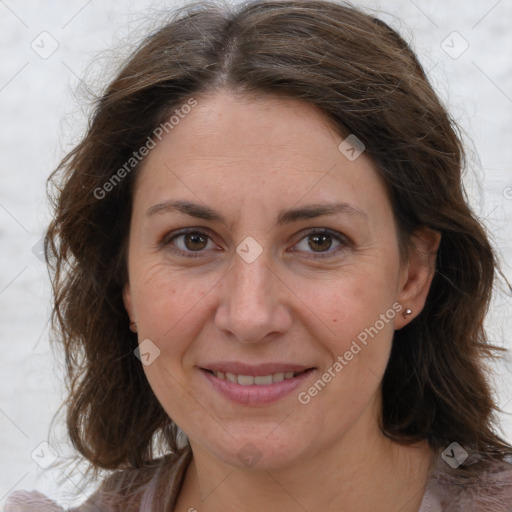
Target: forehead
{"points": [[267, 151]]}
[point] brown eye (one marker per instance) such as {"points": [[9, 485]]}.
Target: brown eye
{"points": [[320, 243], [189, 243], [195, 241]]}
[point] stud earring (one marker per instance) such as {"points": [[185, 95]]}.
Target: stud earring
{"points": [[407, 312], [133, 327]]}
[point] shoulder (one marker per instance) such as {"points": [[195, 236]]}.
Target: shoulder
{"points": [[483, 486], [136, 490], [130, 490], [25, 501]]}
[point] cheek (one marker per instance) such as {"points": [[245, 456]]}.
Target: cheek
{"points": [[170, 312], [358, 310], [361, 323], [352, 302], [170, 305]]}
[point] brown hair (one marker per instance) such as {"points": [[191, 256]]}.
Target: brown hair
{"points": [[366, 80]]}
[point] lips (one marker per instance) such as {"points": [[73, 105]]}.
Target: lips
{"points": [[255, 384]]}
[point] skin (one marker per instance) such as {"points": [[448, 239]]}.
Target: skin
{"points": [[248, 159]]}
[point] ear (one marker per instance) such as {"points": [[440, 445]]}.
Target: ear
{"points": [[127, 301], [417, 274]]}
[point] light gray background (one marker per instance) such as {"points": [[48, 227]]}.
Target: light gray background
{"points": [[41, 120]]}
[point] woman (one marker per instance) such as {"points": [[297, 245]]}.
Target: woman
{"points": [[263, 242]]}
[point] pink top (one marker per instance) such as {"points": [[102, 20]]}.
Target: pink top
{"points": [[156, 488]]}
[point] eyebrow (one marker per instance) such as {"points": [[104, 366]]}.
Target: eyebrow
{"points": [[285, 216]]}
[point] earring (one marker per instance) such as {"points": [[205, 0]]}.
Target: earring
{"points": [[407, 312], [133, 327]]}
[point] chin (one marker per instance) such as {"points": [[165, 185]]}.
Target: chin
{"points": [[259, 450]]}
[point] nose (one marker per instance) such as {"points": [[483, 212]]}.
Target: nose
{"points": [[253, 303]]}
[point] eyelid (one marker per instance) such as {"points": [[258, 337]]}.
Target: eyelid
{"points": [[166, 239], [343, 240]]}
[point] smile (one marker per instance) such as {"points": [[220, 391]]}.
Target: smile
{"points": [[263, 387], [259, 380]]}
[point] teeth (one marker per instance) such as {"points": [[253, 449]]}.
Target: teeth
{"points": [[260, 380], [245, 380]]}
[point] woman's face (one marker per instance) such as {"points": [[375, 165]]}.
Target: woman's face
{"points": [[290, 265]]}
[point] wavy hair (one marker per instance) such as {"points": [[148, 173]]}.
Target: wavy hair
{"points": [[367, 81]]}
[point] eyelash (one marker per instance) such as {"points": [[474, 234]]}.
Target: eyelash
{"points": [[344, 242]]}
